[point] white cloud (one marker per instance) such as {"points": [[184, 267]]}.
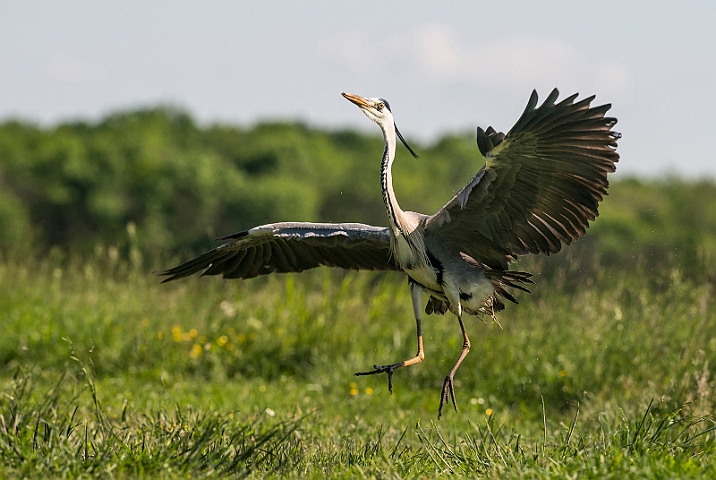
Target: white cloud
{"points": [[434, 52], [357, 51], [436, 48], [66, 68], [520, 60]]}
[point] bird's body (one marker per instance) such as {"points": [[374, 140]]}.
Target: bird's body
{"points": [[437, 267], [539, 188]]}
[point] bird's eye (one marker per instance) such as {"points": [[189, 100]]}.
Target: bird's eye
{"points": [[380, 106]]}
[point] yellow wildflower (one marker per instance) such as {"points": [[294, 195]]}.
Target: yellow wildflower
{"points": [[195, 351]]}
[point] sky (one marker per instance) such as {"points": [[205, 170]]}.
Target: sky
{"points": [[445, 67]]}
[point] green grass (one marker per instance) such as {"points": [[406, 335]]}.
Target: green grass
{"points": [[106, 373]]}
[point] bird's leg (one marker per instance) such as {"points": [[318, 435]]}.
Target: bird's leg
{"points": [[416, 294], [448, 387]]}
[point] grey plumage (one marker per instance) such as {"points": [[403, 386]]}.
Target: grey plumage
{"points": [[293, 247], [540, 187]]}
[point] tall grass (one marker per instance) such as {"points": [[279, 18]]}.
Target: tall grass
{"points": [[212, 377]]}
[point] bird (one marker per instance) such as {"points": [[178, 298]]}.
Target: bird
{"points": [[540, 186]]}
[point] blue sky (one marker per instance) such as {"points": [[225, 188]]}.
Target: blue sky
{"points": [[444, 67]]}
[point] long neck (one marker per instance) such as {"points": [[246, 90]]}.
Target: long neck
{"points": [[395, 213]]}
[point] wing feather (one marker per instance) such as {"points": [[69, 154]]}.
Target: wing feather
{"points": [[244, 268], [289, 254], [293, 247], [540, 187], [279, 257], [228, 267]]}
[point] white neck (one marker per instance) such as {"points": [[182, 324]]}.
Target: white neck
{"points": [[395, 213]]}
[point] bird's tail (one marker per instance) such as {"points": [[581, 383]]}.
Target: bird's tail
{"points": [[499, 279], [506, 278]]}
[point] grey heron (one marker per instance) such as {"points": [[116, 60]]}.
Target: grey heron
{"points": [[539, 188]]}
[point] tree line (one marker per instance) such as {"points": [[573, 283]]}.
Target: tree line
{"points": [[178, 185]]}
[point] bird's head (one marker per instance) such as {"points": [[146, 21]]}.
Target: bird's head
{"points": [[378, 110]]}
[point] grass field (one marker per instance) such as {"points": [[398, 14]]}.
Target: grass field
{"points": [[107, 373]]}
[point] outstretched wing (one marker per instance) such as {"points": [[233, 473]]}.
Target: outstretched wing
{"points": [[540, 187], [293, 247]]}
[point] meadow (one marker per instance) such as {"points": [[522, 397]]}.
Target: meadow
{"points": [[604, 371], [109, 374]]}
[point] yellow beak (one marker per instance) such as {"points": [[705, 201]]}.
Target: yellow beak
{"points": [[358, 100]]}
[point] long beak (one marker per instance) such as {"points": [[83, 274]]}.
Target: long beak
{"points": [[358, 100]]}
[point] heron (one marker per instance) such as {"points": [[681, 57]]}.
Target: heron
{"points": [[540, 186]]}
